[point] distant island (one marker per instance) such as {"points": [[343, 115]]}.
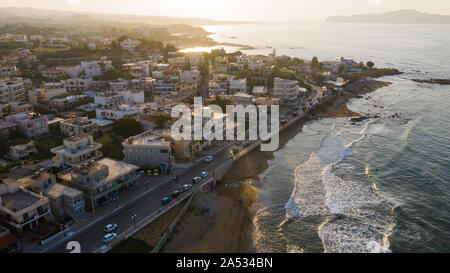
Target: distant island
{"points": [[406, 16]]}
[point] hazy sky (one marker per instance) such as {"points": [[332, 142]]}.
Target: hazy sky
{"points": [[255, 10]]}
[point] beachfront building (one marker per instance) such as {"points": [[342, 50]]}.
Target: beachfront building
{"points": [[22, 209], [78, 126], [76, 151], [147, 149], [101, 181], [30, 124], [285, 89]]}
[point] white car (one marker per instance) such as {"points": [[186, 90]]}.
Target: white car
{"points": [[186, 187], [109, 237], [110, 227], [209, 158], [195, 180], [204, 174]]}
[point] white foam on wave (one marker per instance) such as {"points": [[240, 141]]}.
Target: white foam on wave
{"points": [[360, 218]]}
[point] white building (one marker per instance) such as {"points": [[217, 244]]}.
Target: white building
{"points": [[130, 44], [76, 150], [238, 86], [119, 112], [148, 149]]}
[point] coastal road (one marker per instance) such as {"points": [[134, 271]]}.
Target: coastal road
{"points": [[90, 238]]}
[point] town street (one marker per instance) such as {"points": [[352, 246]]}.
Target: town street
{"points": [[90, 238]]}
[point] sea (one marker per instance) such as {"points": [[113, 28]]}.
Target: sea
{"points": [[382, 185]]}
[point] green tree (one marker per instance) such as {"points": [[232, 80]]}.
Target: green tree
{"points": [[110, 148], [161, 120], [370, 64], [126, 127], [110, 74], [314, 65]]}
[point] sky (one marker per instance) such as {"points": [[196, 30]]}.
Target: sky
{"points": [[243, 10]]}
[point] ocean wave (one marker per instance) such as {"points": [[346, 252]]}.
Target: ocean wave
{"points": [[359, 217]]}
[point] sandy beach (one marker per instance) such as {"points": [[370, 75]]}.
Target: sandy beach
{"points": [[220, 221]]}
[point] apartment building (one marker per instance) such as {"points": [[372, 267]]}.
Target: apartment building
{"points": [[12, 90], [78, 84], [238, 86], [65, 201], [119, 112], [42, 96], [101, 181], [130, 44], [8, 70], [22, 209], [148, 149], [76, 150], [30, 124], [21, 151], [78, 126]]}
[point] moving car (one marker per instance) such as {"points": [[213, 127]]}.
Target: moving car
{"points": [[165, 201], [195, 180], [111, 227], [204, 174], [109, 237], [185, 187], [209, 158]]}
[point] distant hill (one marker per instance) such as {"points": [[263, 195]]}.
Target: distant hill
{"points": [[30, 15], [406, 16]]}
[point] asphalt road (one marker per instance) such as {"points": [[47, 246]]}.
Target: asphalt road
{"points": [[91, 237]]}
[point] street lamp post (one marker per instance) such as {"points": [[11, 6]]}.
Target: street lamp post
{"points": [[133, 217]]}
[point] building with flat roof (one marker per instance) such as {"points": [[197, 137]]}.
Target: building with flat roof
{"points": [[148, 149], [21, 209], [30, 124], [78, 126], [76, 151], [115, 113], [65, 201], [101, 181]]}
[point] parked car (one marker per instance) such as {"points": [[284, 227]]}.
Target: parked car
{"points": [[185, 187], [165, 201], [209, 158], [132, 187], [109, 237], [155, 172], [111, 227], [195, 180], [176, 194], [149, 172], [204, 174]]}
